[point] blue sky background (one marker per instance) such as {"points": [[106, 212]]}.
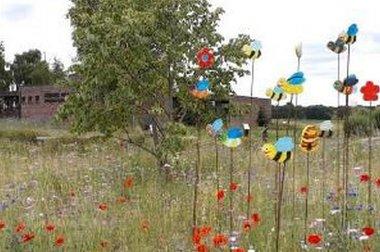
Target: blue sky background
{"points": [[279, 25]]}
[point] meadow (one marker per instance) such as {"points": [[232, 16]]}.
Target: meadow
{"points": [[64, 192]]}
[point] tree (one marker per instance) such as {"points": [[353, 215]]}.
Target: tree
{"points": [[30, 69], [58, 71], [135, 56], [5, 75]]}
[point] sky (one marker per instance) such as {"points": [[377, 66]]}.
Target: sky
{"points": [[279, 25]]}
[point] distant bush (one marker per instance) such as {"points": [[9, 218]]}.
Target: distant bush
{"points": [[362, 122]]}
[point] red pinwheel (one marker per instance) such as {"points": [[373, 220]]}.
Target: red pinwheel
{"points": [[205, 58], [370, 91]]}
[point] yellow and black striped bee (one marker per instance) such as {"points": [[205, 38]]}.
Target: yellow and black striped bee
{"points": [[309, 138], [351, 34], [276, 94], [253, 51], [280, 152], [326, 129]]}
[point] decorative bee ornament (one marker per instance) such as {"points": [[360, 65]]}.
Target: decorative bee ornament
{"points": [[293, 85], [253, 51], [216, 128], [276, 94], [352, 34], [280, 152], [201, 89], [309, 138], [326, 129], [232, 138]]}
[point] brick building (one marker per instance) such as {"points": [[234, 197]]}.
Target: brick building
{"points": [[37, 102]]}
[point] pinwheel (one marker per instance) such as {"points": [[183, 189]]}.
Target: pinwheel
{"points": [[293, 85], [253, 51], [205, 58], [201, 89]]}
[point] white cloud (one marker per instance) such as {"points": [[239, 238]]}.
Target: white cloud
{"points": [[280, 25]]}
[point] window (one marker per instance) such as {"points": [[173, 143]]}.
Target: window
{"points": [[23, 99], [54, 97], [37, 98], [30, 99]]}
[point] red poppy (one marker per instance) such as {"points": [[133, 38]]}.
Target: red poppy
{"points": [[20, 227], [238, 250], [145, 225], [104, 244], [59, 241], [377, 182], [314, 239], [2, 225], [364, 178], [49, 227], [255, 217], [103, 206], [368, 231], [128, 182], [249, 198], [246, 225], [202, 248], [121, 200], [27, 237], [204, 231], [304, 190], [220, 240], [234, 186], [196, 237], [370, 91], [205, 58], [220, 195]]}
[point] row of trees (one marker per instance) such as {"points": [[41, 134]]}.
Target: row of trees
{"points": [[29, 68]]}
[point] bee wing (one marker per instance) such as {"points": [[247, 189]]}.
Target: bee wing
{"points": [[351, 80], [297, 78], [203, 85], [352, 30], [278, 90], [326, 125], [234, 133], [217, 125], [284, 144], [256, 45]]}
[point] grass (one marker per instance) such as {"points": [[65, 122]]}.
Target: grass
{"points": [[64, 182]]}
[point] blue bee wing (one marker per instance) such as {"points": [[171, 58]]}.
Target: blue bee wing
{"points": [[352, 30], [278, 90], [203, 85], [297, 78], [256, 45], [351, 80], [284, 144], [217, 125], [234, 133]]}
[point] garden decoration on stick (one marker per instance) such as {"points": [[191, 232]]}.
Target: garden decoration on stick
{"points": [[281, 153], [370, 93], [253, 52], [200, 91], [338, 47], [309, 143]]}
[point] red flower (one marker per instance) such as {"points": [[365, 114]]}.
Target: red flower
{"points": [[234, 186], [128, 182], [246, 225], [20, 227], [220, 240], [145, 225], [204, 231], [364, 178], [2, 225], [59, 241], [256, 218], [377, 182], [50, 227], [370, 91], [205, 58], [27, 237], [368, 231], [238, 250], [220, 195], [304, 190], [196, 237], [202, 248], [103, 206], [314, 239]]}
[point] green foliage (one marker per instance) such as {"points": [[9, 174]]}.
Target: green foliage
{"points": [[5, 75], [135, 56], [362, 122]]}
